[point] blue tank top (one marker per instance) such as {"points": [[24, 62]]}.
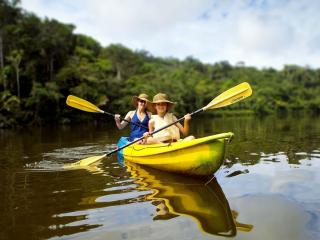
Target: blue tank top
{"points": [[138, 131]]}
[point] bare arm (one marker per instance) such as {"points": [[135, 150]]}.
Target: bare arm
{"points": [[151, 126], [185, 128], [122, 124]]}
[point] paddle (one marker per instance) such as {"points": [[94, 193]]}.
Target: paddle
{"points": [[84, 105], [226, 98]]}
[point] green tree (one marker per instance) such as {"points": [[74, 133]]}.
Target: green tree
{"points": [[56, 43], [15, 59], [10, 13]]}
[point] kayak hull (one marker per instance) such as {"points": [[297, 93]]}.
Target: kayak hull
{"points": [[202, 156]]}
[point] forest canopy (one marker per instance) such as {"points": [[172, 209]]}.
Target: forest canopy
{"points": [[42, 61]]}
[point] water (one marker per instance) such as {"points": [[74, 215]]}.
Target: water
{"points": [[268, 187]]}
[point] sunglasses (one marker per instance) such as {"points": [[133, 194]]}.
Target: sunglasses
{"points": [[142, 101]]}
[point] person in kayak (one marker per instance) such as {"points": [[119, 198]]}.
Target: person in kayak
{"points": [[161, 106], [140, 117]]}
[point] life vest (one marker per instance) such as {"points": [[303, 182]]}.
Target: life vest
{"points": [[169, 133]]}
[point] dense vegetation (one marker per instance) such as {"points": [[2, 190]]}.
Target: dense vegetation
{"points": [[42, 61]]}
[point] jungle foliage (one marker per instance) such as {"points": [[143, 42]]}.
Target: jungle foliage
{"points": [[42, 61]]}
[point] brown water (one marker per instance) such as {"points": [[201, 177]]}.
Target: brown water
{"points": [[269, 187]]}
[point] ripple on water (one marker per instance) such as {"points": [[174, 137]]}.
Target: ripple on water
{"points": [[69, 154]]}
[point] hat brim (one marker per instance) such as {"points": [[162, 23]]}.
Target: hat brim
{"points": [[135, 102], [153, 105]]}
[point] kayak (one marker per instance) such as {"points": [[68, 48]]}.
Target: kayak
{"points": [[201, 156]]}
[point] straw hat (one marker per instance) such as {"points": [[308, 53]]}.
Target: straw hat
{"points": [[141, 96], [161, 98]]}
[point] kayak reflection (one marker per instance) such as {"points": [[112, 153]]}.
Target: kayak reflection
{"points": [[201, 199]]}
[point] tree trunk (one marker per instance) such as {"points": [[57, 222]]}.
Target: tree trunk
{"points": [[18, 81], [2, 76], [118, 72], [15, 58], [1, 51], [51, 68]]}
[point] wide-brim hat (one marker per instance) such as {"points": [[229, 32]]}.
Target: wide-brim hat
{"points": [[161, 98], [144, 97], [162, 211]]}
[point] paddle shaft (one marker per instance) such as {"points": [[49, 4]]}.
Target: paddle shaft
{"points": [[158, 130], [123, 119]]}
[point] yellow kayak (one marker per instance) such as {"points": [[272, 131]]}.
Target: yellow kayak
{"points": [[202, 156]]}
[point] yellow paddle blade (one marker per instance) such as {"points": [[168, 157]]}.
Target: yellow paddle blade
{"points": [[243, 227], [233, 95], [84, 162], [82, 104]]}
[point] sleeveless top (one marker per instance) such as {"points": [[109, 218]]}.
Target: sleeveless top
{"points": [[169, 133], [138, 131]]}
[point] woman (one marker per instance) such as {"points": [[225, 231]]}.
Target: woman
{"points": [[161, 106], [139, 117]]}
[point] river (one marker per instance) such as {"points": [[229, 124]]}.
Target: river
{"points": [[268, 188]]}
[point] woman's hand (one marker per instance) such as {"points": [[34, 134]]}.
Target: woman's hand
{"points": [[146, 135], [117, 118], [187, 117]]}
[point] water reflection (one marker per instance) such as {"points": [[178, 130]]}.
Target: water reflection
{"points": [[201, 199], [255, 137], [46, 204]]}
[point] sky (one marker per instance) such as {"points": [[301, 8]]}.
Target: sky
{"points": [[260, 33]]}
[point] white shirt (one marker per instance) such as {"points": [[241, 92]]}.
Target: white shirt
{"points": [[171, 132]]}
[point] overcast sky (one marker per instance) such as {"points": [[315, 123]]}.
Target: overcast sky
{"points": [[268, 33]]}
